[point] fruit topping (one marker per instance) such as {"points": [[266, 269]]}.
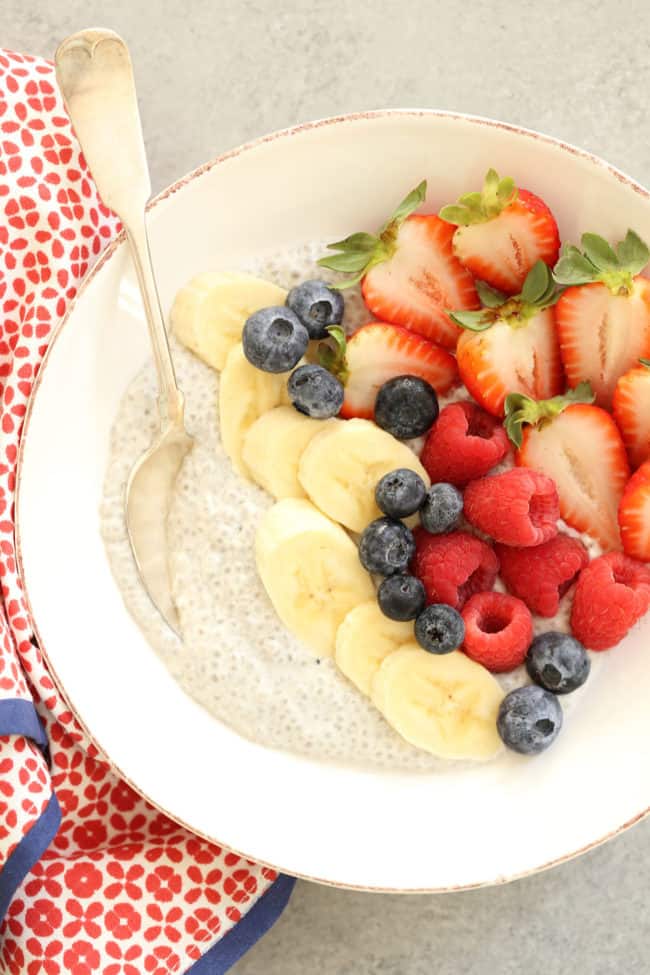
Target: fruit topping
{"points": [[274, 339], [631, 407], [603, 319], [519, 507], [558, 662], [400, 493], [439, 629], [498, 630], [542, 574], [408, 272], [612, 594], [441, 509], [401, 597], [453, 567], [317, 306], [386, 546], [634, 515], [406, 406], [501, 232], [464, 443], [315, 392], [578, 445], [378, 352], [530, 719], [511, 345]]}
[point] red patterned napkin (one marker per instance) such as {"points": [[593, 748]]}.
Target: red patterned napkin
{"points": [[92, 878]]}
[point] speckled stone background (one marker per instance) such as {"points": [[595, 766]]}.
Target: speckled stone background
{"points": [[212, 75]]}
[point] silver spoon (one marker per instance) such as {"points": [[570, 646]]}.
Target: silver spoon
{"points": [[94, 72]]}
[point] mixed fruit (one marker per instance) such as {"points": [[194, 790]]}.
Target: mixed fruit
{"points": [[395, 518]]}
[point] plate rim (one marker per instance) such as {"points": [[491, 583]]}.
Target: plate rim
{"points": [[107, 254]]}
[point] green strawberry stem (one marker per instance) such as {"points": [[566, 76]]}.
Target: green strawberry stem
{"points": [[332, 354], [539, 292], [616, 267], [645, 362], [360, 252], [521, 409], [473, 208]]}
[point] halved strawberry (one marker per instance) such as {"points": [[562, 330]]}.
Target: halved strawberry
{"points": [[511, 344], [501, 232], [408, 271], [603, 318], [579, 446], [631, 406], [380, 351], [634, 515]]}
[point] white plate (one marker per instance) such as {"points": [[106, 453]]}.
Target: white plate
{"points": [[372, 830]]}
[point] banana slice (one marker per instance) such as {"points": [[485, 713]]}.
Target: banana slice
{"points": [[364, 639], [447, 705], [245, 393], [340, 467], [273, 446], [311, 571], [208, 314]]}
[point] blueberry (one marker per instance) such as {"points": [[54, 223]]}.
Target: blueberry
{"points": [[317, 306], [386, 546], [558, 662], [315, 392], [400, 493], [274, 339], [529, 719], [442, 508], [401, 597], [406, 406], [439, 628]]}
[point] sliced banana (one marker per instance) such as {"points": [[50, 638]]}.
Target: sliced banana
{"points": [[445, 704], [311, 571], [273, 446], [340, 467], [208, 314], [245, 393], [364, 639]]}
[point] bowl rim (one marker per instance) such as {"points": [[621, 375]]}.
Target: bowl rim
{"points": [[106, 255]]}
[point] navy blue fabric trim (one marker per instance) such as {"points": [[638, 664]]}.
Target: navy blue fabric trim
{"points": [[19, 717], [29, 850], [222, 956]]}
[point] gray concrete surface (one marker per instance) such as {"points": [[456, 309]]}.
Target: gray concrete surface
{"points": [[212, 75]]}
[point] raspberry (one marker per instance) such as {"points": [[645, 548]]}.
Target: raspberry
{"points": [[498, 630], [541, 575], [613, 592], [519, 507], [453, 567], [464, 443]]}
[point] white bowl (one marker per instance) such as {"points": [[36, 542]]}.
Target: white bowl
{"points": [[402, 832]]}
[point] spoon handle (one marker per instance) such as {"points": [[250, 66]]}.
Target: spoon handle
{"points": [[95, 75]]}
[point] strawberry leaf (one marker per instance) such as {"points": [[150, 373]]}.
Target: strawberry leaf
{"points": [[473, 321], [490, 297], [333, 356], [521, 409], [598, 251], [360, 252], [574, 268], [633, 253], [645, 362], [474, 208], [537, 283]]}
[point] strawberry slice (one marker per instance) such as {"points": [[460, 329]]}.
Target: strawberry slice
{"points": [[501, 232], [634, 515], [631, 406], [408, 271], [511, 345], [380, 351], [579, 446], [603, 318]]}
